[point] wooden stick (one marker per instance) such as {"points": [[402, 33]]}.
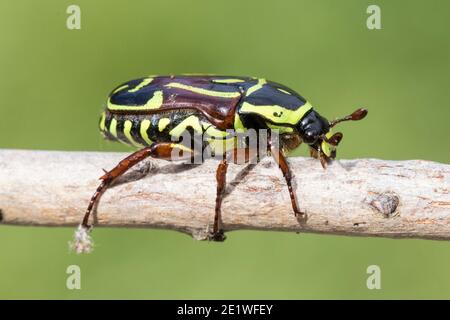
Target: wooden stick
{"points": [[363, 197]]}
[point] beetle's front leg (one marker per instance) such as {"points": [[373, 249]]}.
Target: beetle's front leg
{"points": [[280, 159], [318, 154]]}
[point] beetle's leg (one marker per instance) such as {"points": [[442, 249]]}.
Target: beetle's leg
{"points": [[322, 159], [317, 154], [313, 153], [283, 165], [157, 150], [237, 156], [221, 174]]}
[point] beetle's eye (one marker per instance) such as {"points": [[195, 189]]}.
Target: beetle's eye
{"points": [[309, 137]]}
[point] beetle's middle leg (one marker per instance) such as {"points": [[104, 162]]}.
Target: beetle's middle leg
{"points": [[237, 156], [221, 174]]}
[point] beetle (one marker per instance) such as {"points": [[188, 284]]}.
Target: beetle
{"points": [[154, 113]]}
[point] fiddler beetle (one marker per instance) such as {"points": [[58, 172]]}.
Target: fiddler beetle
{"points": [[153, 113]]}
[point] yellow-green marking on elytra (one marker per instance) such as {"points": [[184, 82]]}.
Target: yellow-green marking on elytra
{"points": [[154, 103], [206, 92], [227, 80], [256, 87], [141, 85], [284, 91], [120, 88]]}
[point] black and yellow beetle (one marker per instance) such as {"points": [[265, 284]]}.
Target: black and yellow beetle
{"points": [[154, 113]]}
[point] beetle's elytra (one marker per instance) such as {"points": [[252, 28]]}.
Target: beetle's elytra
{"points": [[154, 113]]}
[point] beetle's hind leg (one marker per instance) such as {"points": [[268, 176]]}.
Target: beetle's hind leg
{"points": [[163, 150], [111, 175]]}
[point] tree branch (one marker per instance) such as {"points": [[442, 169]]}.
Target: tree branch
{"points": [[354, 197]]}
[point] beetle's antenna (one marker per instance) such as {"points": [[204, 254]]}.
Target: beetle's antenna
{"points": [[355, 116]]}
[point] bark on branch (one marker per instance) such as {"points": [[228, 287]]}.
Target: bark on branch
{"points": [[363, 197]]}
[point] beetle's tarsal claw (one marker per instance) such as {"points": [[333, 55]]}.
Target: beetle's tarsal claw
{"points": [[217, 236], [301, 217], [324, 160], [82, 241]]}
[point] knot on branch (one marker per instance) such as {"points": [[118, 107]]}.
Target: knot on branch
{"points": [[385, 203]]}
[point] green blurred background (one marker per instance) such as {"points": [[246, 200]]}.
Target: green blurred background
{"points": [[54, 82]]}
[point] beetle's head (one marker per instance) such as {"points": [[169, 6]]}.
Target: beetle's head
{"points": [[315, 131]]}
